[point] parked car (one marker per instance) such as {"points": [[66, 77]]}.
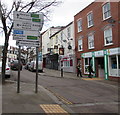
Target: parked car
{"points": [[14, 65], [32, 66], [7, 71]]}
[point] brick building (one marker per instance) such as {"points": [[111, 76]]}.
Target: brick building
{"points": [[97, 42]]}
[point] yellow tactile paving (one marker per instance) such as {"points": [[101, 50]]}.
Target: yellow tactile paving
{"points": [[92, 78], [64, 100], [53, 108]]}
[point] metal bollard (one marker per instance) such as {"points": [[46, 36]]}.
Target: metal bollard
{"points": [[61, 72]]}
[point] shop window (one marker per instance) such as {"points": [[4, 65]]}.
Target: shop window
{"points": [[119, 61], [113, 62], [66, 63], [87, 62], [71, 62]]}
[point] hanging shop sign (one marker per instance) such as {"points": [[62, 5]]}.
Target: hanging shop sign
{"points": [[61, 51]]}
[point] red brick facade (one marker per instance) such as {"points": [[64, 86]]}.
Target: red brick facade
{"points": [[97, 28]]}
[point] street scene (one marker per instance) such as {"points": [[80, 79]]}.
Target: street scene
{"points": [[59, 57], [72, 94]]}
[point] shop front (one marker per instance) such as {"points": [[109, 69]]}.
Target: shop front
{"points": [[68, 63], [105, 63]]}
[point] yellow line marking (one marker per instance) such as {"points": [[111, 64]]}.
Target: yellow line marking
{"points": [[53, 108], [92, 78]]}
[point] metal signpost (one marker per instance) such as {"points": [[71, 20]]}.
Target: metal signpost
{"points": [[26, 31]]}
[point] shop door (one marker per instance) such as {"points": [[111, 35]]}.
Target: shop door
{"points": [[101, 71]]}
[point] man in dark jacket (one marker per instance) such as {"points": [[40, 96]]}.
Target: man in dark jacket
{"points": [[90, 71], [79, 70]]}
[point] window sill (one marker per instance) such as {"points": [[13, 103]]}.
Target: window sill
{"points": [[80, 50], [79, 31], [90, 26], [105, 19], [108, 44], [91, 48]]}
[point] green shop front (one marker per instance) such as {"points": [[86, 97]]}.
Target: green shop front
{"points": [[105, 63]]}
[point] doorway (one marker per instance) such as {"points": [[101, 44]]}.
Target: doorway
{"points": [[100, 67]]}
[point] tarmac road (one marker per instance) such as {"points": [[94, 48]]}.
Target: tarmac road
{"points": [[81, 96]]}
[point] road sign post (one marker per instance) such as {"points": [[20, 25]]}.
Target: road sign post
{"points": [[18, 81], [36, 84], [26, 31]]}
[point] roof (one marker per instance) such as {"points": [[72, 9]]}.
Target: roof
{"points": [[61, 29]]}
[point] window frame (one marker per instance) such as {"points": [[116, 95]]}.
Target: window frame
{"points": [[80, 39], [90, 19], [108, 11], [109, 37], [91, 41], [79, 25], [69, 32], [86, 65]]}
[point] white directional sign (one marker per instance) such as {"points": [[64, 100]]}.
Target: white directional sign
{"points": [[31, 43], [24, 25], [27, 25], [25, 35]]}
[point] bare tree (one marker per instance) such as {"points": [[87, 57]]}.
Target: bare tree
{"points": [[6, 19]]}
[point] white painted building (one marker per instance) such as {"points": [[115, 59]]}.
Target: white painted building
{"points": [[67, 41], [46, 45]]}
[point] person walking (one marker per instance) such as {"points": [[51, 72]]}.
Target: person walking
{"points": [[79, 70], [90, 70]]}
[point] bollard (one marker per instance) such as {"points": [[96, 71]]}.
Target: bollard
{"points": [[61, 72]]}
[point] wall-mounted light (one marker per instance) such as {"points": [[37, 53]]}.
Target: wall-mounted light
{"points": [[111, 20]]}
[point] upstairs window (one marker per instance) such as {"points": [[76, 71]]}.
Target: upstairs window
{"points": [[90, 41], [69, 32], [106, 11], [80, 45], [108, 36], [56, 39], [79, 25], [90, 19], [61, 36]]}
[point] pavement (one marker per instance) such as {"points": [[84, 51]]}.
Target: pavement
{"points": [[69, 75], [27, 101]]}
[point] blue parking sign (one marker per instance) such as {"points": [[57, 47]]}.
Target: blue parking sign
{"points": [[18, 32]]}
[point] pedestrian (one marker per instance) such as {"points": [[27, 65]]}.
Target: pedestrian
{"points": [[79, 70], [90, 70]]}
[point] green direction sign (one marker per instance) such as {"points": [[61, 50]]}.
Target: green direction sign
{"points": [[36, 20], [32, 37], [35, 15]]}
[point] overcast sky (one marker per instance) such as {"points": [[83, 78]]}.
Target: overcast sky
{"points": [[60, 16]]}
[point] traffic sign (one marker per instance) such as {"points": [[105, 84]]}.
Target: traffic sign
{"points": [[29, 17], [27, 25], [24, 25], [25, 35], [30, 43]]}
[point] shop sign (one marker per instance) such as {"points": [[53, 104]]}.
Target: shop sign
{"points": [[61, 51], [113, 51], [85, 55], [99, 53]]}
